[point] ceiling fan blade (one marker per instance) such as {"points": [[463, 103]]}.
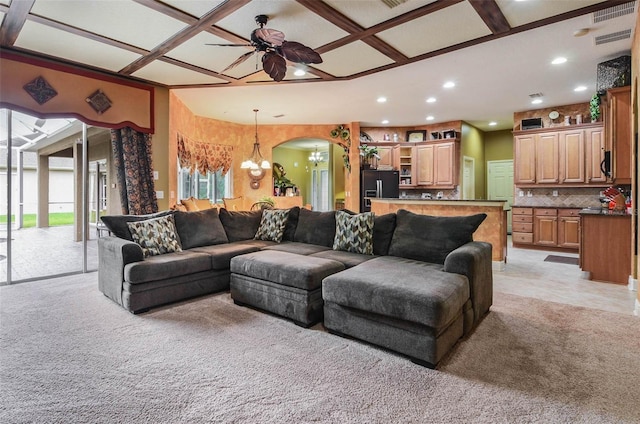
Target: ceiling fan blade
{"points": [[274, 65], [299, 53], [239, 61], [271, 36], [228, 45]]}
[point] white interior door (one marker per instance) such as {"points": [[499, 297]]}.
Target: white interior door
{"points": [[500, 184], [469, 178]]}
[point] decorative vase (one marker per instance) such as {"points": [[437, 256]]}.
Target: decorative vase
{"points": [[365, 166]]}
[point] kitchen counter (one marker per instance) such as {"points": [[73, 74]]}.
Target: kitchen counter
{"points": [[492, 230], [603, 212]]}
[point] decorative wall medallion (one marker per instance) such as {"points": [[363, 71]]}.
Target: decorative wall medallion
{"points": [[99, 101], [40, 90]]}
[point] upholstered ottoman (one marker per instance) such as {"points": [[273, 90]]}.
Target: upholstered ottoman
{"points": [[411, 307], [286, 284]]}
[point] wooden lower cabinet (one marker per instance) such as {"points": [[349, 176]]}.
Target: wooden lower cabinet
{"points": [[605, 251], [569, 228], [546, 227], [522, 225]]}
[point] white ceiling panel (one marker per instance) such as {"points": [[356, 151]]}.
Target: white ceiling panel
{"points": [[53, 42], [293, 19], [168, 74], [452, 25], [367, 13], [195, 8], [5, 2], [351, 59], [522, 12], [121, 20]]}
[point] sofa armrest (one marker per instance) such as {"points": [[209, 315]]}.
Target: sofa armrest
{"points": [[113, 254], [474, 261]]}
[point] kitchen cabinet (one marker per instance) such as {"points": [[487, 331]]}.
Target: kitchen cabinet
{"points": [[617, 121], [546, 227], [428, 165], [568, 156], [605, 246], [425, 160], [387, 154], [405, 164]]}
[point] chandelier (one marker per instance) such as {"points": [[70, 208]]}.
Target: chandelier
{"points": [[256, 164], [316, 157]]}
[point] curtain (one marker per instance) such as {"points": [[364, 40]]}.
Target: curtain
{"points": [[134, 169], [204, 156]]}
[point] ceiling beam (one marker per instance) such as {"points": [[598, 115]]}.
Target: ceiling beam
{"points": [[223, 10], [341, 21], [491, 15], [14, 21]]}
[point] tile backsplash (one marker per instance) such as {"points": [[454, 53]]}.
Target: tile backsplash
{"points": [[571, 197]]}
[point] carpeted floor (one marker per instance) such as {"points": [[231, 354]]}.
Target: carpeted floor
{"points": [[69, 355]]}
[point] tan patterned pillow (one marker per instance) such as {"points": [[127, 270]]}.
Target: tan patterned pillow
{"points": [[155, 236], [354, 233], [272, 225]]}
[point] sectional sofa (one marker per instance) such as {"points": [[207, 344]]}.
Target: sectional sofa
{"points": [[411, 283]]}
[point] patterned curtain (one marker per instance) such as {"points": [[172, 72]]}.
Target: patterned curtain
{"points": [[134, 169], [204, 156]]}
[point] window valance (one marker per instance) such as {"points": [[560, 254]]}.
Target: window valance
{"points": [[204, 156]]}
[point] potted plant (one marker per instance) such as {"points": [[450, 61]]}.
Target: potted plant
{"points": [[367, 153], [594, 107]]}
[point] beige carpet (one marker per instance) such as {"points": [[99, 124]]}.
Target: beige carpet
{"points": [[69, 355]]}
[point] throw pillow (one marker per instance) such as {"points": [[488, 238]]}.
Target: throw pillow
{"points": [[240, 225], [292, 223], [190, 204], [315, 227], [201, 228], [354, 233], [117, 224], [431, 238], [156, 236], [272, 225]]}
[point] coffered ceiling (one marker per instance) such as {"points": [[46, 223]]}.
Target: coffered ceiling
{"points": [[497, 52]]}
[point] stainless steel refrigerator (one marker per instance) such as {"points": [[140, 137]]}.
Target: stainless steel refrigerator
{"points": [[382, 184]]}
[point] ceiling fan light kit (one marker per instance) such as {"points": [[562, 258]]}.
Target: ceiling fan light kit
{"points": [[276, 50]]}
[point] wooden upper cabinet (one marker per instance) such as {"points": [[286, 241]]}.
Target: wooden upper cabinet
{"points": [[594, 153], [386, 154], [525, 159], [444, 164], [572, 158], [548, 158], [425, 165], [617, 118]]}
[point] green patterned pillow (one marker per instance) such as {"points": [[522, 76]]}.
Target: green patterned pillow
{"points": [[272, 225], [354, 233], [155, 236]]}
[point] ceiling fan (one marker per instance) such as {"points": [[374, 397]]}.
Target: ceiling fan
{"points": [[276, 50]]}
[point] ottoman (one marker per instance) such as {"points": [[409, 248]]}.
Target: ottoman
{"points": [[286, 284]]}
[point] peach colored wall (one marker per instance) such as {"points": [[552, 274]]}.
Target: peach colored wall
{"points": [[241, 137]]}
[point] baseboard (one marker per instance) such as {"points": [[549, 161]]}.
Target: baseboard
{"points": [[633, 284], [636, 311], [498, 265]]}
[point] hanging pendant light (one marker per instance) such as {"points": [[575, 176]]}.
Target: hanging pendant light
{"points": [[256, 164], [316, 157]]}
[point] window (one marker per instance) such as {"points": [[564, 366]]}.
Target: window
{"points": [[212, 186]]}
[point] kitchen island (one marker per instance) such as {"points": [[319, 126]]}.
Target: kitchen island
{"points": [[492, 230]]}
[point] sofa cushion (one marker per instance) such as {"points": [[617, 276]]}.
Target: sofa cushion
{"points": [[349, 259], [240, 225], [117, 224], [292, 223], [401, 288], [383, 227], [316, 227], [354, 233], [297, 248], [201, 228], [221, 254], [288, 269], [272, 225], [171, 265], [156, 236], [431, 238]]}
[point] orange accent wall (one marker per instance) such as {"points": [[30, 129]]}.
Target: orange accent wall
{"points": [[131, 103], [241, 137]]}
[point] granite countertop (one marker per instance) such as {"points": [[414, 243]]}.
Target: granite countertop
{"points": [[603, 212], [548, 207]]}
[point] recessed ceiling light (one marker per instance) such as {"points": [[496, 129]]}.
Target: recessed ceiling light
{"points": [[431, 100], [449, 84], [299, 72], [493, 123], [580, 88], [430, 118], [536, 101], [559, 60], [385, 121], [381, 99]]}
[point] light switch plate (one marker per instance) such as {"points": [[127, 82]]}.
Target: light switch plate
{"points": [[156, 175], [529, 194], [160, 194], [555, 193], [520, 193]]}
